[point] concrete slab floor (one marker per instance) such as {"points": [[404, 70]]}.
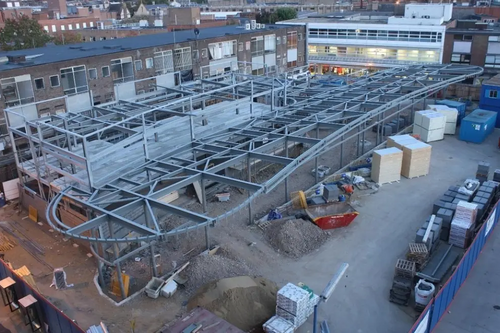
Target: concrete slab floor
{"points": [[472, 310]]}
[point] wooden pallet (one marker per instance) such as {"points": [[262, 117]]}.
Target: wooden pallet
{"points": [[417, 253], [405, 268]]}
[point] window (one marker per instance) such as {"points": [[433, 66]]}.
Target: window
{"points": [[164, 62], [39, 84], [78, 25], [149, 63], [54, 28], [492, 61], [122, 70], [493, 94], [183, 60], [291, 39], [105, 71], [74, 80], [196, 55], [63, 27], [257, 46], [278, 40], [270, 43], [138, 65], [299, 38], [460, 58], [17, 90], [222, 50], [46, 28], [91, 24], [292, 64], [467, 37], [204, 53], [240, 47], [54, 81], [84, 25], [70, 27], [92, 73]]}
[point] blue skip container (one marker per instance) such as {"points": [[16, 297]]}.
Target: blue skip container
{"points": [[477, 126]]}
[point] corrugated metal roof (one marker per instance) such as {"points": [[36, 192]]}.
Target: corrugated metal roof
{"points": [[58, 53]]}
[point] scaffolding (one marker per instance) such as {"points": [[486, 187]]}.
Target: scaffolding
{"points": [[122, 161]]}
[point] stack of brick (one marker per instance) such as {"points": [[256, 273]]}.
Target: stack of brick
{"points": [[483, 171], [295, 304], [462, 224]]}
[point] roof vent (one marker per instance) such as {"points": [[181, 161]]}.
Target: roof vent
{"points": [[90, 48], [16, 59], [75, 47], [112, 46]]}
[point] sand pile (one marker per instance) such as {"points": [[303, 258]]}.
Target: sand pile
{"points": [[295, 238], [244, 301], [205, 268]]}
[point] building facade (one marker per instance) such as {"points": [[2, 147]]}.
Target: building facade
{"points": [[343, 42], [474, 42], [93, 73]]}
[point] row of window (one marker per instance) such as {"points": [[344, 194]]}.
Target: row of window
{"points": [[412, 36], [70, 26]]}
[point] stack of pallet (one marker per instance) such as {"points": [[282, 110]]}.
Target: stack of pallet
{"points": [[462, 224], [416, 160], [295, 304], [403, 281], [386, 165], [418, 253], [429, 125], [451, 115]]}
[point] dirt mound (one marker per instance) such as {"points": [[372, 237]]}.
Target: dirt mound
{"points": [[205, 268], [295, 238], [244, 301]]}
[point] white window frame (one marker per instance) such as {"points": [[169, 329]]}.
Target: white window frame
{"points": [[102, 71], [95, 71], [58, 81], [71, 71], [121, 62], [43, 83], [140, 65], [149, 63]]}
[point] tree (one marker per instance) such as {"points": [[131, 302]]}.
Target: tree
{"points": [[24, 33], [68, 38], [281, 14]]}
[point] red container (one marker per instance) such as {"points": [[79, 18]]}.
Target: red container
{"points": [[333, 215]]}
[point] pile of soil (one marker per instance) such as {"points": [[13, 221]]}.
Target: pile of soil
{"points": [[206, 268], [244, 301], [295, 238]]}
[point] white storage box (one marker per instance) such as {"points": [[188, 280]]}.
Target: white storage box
{"points": [[432, 121], [429, 135], [450, 128], [419, 115], [169, 289]]}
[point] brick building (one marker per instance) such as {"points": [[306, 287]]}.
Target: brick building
{"points": [[93, 73], [475, 41]]}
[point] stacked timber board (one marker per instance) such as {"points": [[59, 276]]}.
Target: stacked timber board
{"points": [[386, 165], [416, 155], [429, 125], [416, 160]]}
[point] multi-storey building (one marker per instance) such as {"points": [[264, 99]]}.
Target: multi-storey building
{"points": [[93, 73], [342, 42], [475, 41]]}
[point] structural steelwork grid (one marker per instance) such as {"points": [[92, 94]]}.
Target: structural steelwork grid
{"points": [[125, 203]]}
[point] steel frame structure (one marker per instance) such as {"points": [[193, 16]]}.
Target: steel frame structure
{"points": [[126, 205]]}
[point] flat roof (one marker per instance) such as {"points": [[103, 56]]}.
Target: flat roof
{"points": [[58, 53], [492, 30]]}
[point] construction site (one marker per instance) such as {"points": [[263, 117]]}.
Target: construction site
{"points": [[221, 189]]}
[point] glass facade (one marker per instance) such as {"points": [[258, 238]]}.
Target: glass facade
{"points": [[395, 35]]}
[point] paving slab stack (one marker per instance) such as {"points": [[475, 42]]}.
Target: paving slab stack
{"points": [[386, 165], [484, 197], [429, 125], [295, 304], [483, 171], [278, 325], [451, 115], [462, 224]]}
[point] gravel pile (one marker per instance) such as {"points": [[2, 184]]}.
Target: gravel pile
{"points": [[295, 238], [206, 268]]}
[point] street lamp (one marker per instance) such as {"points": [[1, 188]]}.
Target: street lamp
{"points": [[327, 292]]}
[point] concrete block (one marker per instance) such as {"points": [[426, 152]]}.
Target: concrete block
{"points": [[453, 188], [438, 204], [463, 197], [450, 193], [456, 201], [445, 234], [446, 198], [446, 215]]}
